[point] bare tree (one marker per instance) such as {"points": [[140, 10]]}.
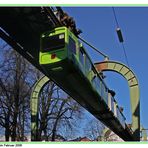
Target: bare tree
{"points": [[45, 102], [15, 91], [93, 129], [67, 113], [57, 111]]}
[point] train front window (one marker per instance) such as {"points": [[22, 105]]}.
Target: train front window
{"points": [[53, 42]]}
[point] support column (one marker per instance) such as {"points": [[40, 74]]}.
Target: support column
{"points": [[129, 75], [39, 85]]}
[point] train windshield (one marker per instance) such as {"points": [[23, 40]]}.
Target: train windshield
{"points": [[53, 42]]}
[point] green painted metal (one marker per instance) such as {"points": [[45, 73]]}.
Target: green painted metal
{"points": [[45, 57], [105, 134], [35, 106], [143, 133], [61, 54], [129, 75]]}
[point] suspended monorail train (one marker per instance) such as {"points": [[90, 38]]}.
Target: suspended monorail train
{"points": [[66, 61]]}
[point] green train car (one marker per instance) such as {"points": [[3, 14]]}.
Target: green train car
{"points": [[66, 61]]}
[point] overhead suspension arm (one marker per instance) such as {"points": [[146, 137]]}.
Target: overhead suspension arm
{"points": [[104, 55]]}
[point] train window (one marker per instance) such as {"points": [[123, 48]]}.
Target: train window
{"points": [[112, 104], [94, 82], [53, 42], [106, 95], [119, 115], [98, 85], [122, 121], [88, 64], [102, 90], [72, 45], [81, 56]]}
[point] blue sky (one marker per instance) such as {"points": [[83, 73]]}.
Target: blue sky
{"points": [[99, 28]]}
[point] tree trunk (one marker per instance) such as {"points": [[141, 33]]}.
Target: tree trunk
{"points": [[7, 132], [13, 135], [7, 127]]}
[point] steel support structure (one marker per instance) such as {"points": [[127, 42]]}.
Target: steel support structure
{"points": [[129, 75], [105, 134], [143, 133], [39, 85]]}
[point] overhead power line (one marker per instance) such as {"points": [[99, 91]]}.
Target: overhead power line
{"points": [[115, 17], [120, 36], [125, 55]]}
